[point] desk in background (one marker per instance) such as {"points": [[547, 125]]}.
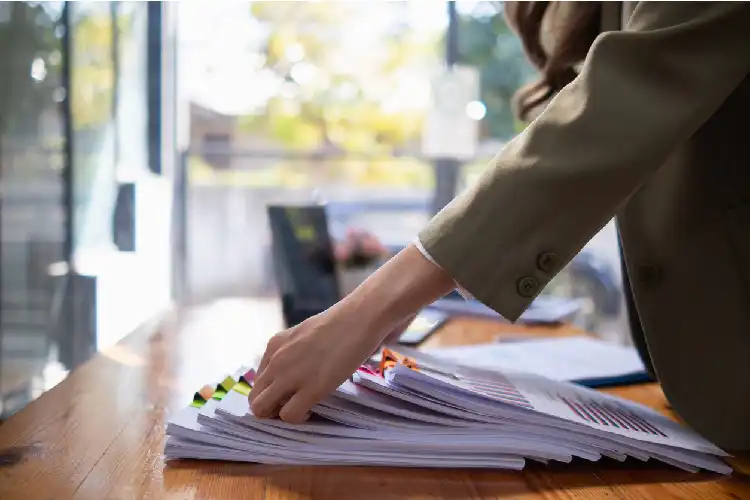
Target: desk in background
{"points": [[100, 433]]}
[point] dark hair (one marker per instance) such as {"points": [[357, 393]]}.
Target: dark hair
{"points": [[575, 26]]}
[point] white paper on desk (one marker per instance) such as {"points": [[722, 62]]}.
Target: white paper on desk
{"points": [[262, 435], [488, 391], [538, 442], [523, 440], [586, 440], [474, 418], [545, 309], [409, 443], [478, 421], [565, 359], [177, 448]]}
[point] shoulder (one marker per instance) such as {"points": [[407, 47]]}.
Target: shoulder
{"points": [[651, 15]]}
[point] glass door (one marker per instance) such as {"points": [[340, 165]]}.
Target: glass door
{"points": [[32, 195]]}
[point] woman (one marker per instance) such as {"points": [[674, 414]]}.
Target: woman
{"points": [[652, 130]]}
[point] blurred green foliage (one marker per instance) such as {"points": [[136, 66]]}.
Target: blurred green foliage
{"points": [[486, 42], [325, 102], [27, 35], [336, 100]]}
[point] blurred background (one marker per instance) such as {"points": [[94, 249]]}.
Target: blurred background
{"points": [[141, 143]]}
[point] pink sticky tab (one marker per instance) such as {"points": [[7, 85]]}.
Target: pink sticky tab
{"points": [[249, 376], [367, 369]]}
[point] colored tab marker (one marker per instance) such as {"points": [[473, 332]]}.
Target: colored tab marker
{"points": [[248, 377], [223, 387], [244, 386], [227, 384], [390, 359], [206, 392], [368, 370], [203, 395]]}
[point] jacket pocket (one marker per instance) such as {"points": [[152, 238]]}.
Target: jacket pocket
{"points": [[738, 229]]}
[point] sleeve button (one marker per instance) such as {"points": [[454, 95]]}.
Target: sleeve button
{"points": [[547, 262], [527, 286]]}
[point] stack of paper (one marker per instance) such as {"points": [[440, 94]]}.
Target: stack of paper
{"points": [[583, 360], [433, 414]]}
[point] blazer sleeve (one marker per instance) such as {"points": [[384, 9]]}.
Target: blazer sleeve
{"points": [[641, 93]]}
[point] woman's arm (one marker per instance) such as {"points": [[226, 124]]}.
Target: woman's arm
{"points": [[642, 92], [305, 363]]}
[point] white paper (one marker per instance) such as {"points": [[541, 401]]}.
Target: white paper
{"points": [[462, 418], [545, 309], [564, 359], [539, 396]]}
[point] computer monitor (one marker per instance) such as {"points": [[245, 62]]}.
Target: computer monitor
{"points": [[303, 260]]}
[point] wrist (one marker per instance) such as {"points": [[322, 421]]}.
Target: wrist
{"points": [[399, 289]]}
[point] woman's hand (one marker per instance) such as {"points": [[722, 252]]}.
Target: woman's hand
{"points": [[305, 363]]}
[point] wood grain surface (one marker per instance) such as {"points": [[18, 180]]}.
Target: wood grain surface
{"points": [[100, 433]]}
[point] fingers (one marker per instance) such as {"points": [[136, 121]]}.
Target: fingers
{"points": [[262, 382], [297, 409], [264, 362], [269, 401], [270, 398], [273, 345], [283, 386], [274, 400]]}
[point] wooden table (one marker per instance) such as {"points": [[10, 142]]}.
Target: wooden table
{"points": [[100, 433]]}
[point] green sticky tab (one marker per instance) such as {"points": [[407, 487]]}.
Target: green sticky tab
{"points": [[197, 403], [226, 384], [242, 387], [219, 394]]}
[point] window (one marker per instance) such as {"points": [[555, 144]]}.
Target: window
{"points": [[132, 88], [92, 107], [73, 93], [32, 220]]}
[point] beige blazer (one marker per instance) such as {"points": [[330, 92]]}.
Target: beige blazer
{"points": [[654, 131]]}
